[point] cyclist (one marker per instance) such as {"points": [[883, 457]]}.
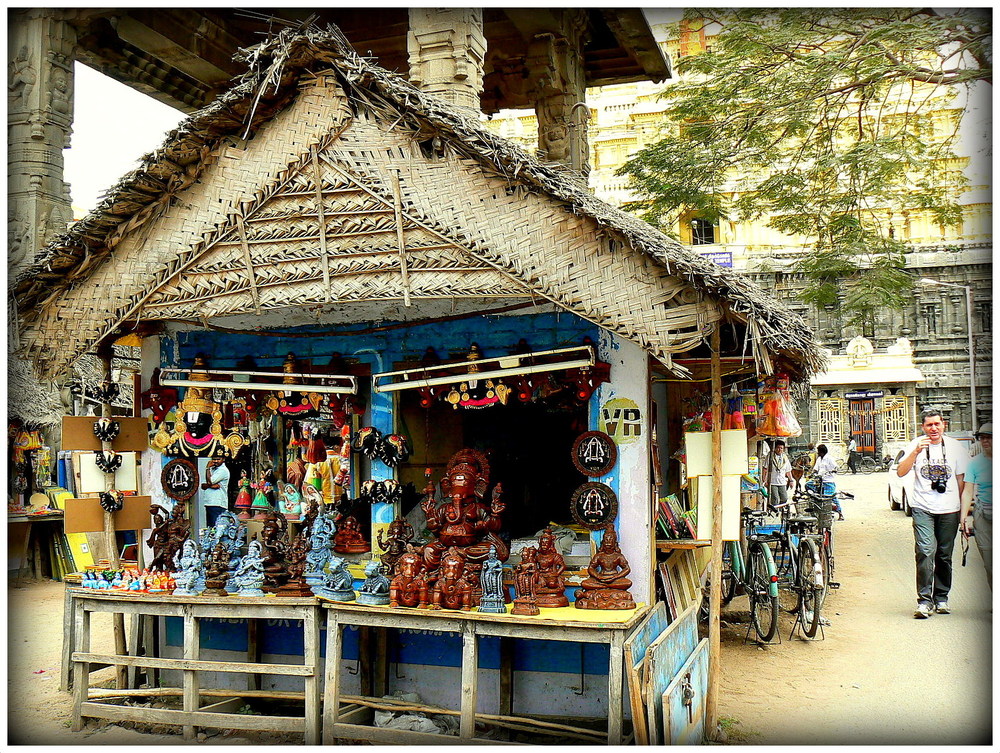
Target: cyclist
{"points": [[825, 467]]}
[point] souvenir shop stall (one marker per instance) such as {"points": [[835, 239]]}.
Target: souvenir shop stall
{"points": [[404, 423]]}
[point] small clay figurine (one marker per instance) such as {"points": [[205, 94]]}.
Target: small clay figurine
{"points": [[248, 579], [349, 539], [339, 583], [452, 589], [217, 571], [296, 584], [170, 530], [189, 572], [244, 499], [320, 543], [291, 502], [375, 590], [295, 473], [408, 587], [550, 588], [272, 539], [262, 499], [607, 585], [398, 536], [494, 595], [525, 577]]}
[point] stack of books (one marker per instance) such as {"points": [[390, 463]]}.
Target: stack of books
{"points": [[672, 520]]}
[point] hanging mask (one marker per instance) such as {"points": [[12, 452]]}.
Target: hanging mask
{"points": [[395, 450], [108, 461], [112, 501], [107, 392], [106, 430], [369, 441]]}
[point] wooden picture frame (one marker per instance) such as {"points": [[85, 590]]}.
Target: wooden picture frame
{"points": [[179, 479]]}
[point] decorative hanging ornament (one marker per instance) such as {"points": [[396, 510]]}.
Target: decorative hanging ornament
{"points": [[112, 501], [108, 461], [106, 430], [395, 450], [369, 440], [107, 392]]}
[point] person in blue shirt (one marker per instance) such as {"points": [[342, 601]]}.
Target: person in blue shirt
{"points": [[978, 499]]}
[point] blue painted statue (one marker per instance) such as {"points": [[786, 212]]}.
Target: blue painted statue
{"points": [[320, 551], [189, 571], [338, 583], [491, 582], [249, 576], [375, 590]]}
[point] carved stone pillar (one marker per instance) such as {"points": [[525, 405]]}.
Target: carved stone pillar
{"points": [[446, 50], [555, 68], [39, 119]]}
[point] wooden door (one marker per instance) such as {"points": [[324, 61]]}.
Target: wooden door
{"points": [[863, 424]]}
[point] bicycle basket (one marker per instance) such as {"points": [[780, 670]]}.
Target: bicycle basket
{"points": [[823, 509]]}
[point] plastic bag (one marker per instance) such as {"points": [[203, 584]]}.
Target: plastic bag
{"points": [[777, 418]]}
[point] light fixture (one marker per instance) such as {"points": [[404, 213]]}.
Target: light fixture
{"points": [[578, 357], [350, 388]]}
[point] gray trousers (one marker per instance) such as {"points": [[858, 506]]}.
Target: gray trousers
{"points": [[983, 526], [934, 542]]}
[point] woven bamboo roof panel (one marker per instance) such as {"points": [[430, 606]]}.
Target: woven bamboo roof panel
{"points": [[355, 186]]}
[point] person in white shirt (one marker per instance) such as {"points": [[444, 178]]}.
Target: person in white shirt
{"points": [[825, 467], [852, 455], [779, 474], [937, 464]]}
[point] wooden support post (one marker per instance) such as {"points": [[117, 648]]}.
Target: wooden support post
{"points": [[334, 648], [506, 680], [715, 593], [470, 677], [310, 638], [81, 669], [192, 650], [380, 667], [253, 652], [365, 659]]}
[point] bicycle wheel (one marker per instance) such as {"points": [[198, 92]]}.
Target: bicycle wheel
{"points": [[867, 465], [728, 576], [810, 586], [784, 562], [763, 606]]}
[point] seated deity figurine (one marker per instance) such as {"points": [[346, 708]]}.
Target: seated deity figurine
{"points": [[463, 520], [408, 587], [272, 539], [296, 584], [338, 583], [291, 502], [349, 539], [452, 589], [494, 592], [375, 590], [189, 572], [248, 580], [607, 585], [525, 581], [320, 548], [398, 537], [217, 571], [550, 588]]}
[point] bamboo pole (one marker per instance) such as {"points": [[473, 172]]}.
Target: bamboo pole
{"points": [[715, 593]]}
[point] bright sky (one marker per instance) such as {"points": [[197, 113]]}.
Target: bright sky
{"points": [[102, 148]]}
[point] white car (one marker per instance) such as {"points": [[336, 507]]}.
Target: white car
{"points": [[900, 489]]}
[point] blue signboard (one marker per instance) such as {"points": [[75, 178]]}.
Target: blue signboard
{"points": [[722, 258]]}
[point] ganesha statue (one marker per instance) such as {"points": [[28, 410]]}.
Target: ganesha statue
{"points": [[464, 520]]}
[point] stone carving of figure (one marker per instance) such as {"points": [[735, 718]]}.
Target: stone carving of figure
{"points": [[320, 544], [217, 571], [607, 585], [189, 572], [59, 96], [452, 589], [22, 78], [409, 586], [494, 596], [550, 588], [399, 535], [339, 583], [232, 535], [525, 581], [248, 580], [375, 590], [19, 247], [463, 520], [859, 351]]}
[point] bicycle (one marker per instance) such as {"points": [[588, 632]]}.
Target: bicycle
{"points": [[801, 567], [756, 574]]}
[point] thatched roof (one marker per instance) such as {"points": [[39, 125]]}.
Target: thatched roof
{"points": [[277, 71]]}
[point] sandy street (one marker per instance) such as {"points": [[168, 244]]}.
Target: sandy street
{"points": [[878, 677]]}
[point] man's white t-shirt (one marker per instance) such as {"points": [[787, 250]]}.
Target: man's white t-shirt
{"points": [[951, 453]]}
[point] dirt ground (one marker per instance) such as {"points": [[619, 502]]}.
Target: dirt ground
{"points": [[878, 676]]}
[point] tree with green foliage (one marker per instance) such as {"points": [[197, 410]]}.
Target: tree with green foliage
{"points": [[818, 121]]}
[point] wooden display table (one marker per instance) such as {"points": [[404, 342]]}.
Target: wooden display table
{"points": [[192, 609], [566, 624]]}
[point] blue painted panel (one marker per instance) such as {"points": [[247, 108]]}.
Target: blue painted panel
{"points": [[275, 636], [664, 658], [684, 725]]}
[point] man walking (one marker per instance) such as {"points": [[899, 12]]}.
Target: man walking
{"points": [[938, 464], [978, 497], [852, 455], [779, 474]]}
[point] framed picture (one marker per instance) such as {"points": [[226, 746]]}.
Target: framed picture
{"points": [[594, 505], [594, 453], [180, 479]]}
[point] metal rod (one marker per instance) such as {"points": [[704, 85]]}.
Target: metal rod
{"points": [[323, 389], [451, 379]]}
